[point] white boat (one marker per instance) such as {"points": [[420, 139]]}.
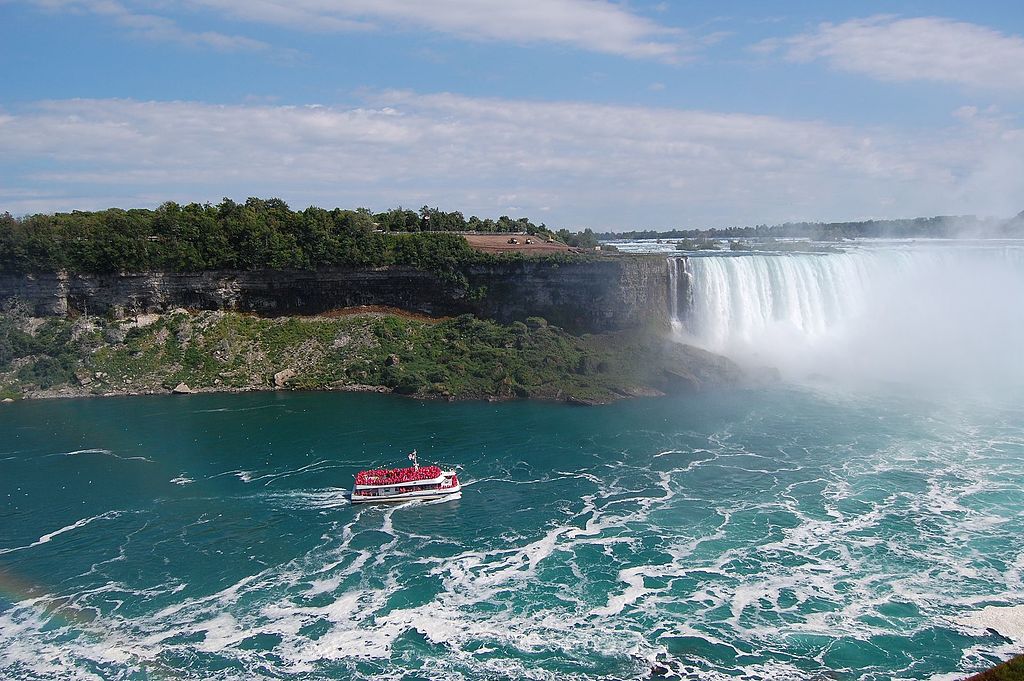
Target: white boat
{"points": [[402, 484]]}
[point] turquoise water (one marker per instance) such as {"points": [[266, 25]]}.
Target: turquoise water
{"points": [[771, 534]]}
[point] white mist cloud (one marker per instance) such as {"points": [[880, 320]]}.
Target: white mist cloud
{"points": [[936, 318], [579, 163], [923, 48]]}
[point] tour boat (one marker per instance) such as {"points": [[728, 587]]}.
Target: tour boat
{"points": [[402, 484]]}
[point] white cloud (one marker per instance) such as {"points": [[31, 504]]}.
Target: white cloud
{"points": [[150, 26], [593, 25], [923, 48], [605, 166]]}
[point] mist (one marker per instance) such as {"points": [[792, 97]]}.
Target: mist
{"points": [[944, 317]]}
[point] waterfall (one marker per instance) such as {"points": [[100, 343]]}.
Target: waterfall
{"points": [[740, 300], [673, 290], [678, 277], [893, 311]]}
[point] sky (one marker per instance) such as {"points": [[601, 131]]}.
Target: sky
{"points": [[575, 113]]}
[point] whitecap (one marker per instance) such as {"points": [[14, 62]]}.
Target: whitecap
{"points": [[103, 452], [45, 539], [76, 452], [1007, 620], [223, 410], [634, 578]]}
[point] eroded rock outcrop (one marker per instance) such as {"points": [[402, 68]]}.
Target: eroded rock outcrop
{"points": [[590, 296]]}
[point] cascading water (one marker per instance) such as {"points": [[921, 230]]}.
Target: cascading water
{"points": [[678, 278], [741, 301], [673, 291], [901, 313]]}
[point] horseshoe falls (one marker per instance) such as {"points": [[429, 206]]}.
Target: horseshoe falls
{"points": [[861, 518], [944, 317]]}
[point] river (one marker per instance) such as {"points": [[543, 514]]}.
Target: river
{"points": [[846, 523]]}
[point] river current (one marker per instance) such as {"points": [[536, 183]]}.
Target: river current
{"points": [[812, 529]]}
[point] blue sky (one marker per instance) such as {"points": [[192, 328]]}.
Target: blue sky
{"points": [[614, 115]]}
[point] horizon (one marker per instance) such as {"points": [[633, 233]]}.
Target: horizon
{"points": [[998, 220]]}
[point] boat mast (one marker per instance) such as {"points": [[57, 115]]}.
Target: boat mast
{"points": [[415, 463]]}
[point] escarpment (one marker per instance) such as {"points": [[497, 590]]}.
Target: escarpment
{"points": [[589, 296]]}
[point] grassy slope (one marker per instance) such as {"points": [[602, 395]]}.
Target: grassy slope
{"points": [[1012, 670], [460, 358]]}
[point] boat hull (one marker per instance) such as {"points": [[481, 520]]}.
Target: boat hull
{"points": [[422, 495]]}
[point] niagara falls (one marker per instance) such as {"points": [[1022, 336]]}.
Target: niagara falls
{"points": [[478, 340]]}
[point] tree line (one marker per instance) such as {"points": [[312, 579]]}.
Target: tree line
{"points": [[256, 234], [428, 219]]}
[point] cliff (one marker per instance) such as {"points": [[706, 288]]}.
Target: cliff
{"points": [[128, 334], [589, 296]]}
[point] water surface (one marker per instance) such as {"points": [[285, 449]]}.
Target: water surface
{"points": [[771, 534]]}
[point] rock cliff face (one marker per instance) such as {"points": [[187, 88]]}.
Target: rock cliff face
{"points": [[606, 295], [592, 296]]}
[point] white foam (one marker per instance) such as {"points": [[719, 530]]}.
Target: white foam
{"points": [[46, 538], [76, 452], [315, 467], [230, 410], [1007, 620], [221, 632], [634, 578], [104, 452]]}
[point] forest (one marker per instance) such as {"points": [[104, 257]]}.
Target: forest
{"points": [[256, 234]]}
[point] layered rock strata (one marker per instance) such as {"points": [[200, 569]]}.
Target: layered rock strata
{"points": [[584, 297]]}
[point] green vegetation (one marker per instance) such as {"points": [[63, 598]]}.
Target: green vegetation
{"points": [[697, 245], [50, 346], [429, 219], [254, 235], [1012, 670], [257, 234], [584, 239], [458, 358]]}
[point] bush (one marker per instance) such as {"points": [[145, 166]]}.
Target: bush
{"points": [[47, 372], [14, 342]]}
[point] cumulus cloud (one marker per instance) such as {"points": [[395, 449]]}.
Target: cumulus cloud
{"points": [[906, 49], [571, 163]]}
